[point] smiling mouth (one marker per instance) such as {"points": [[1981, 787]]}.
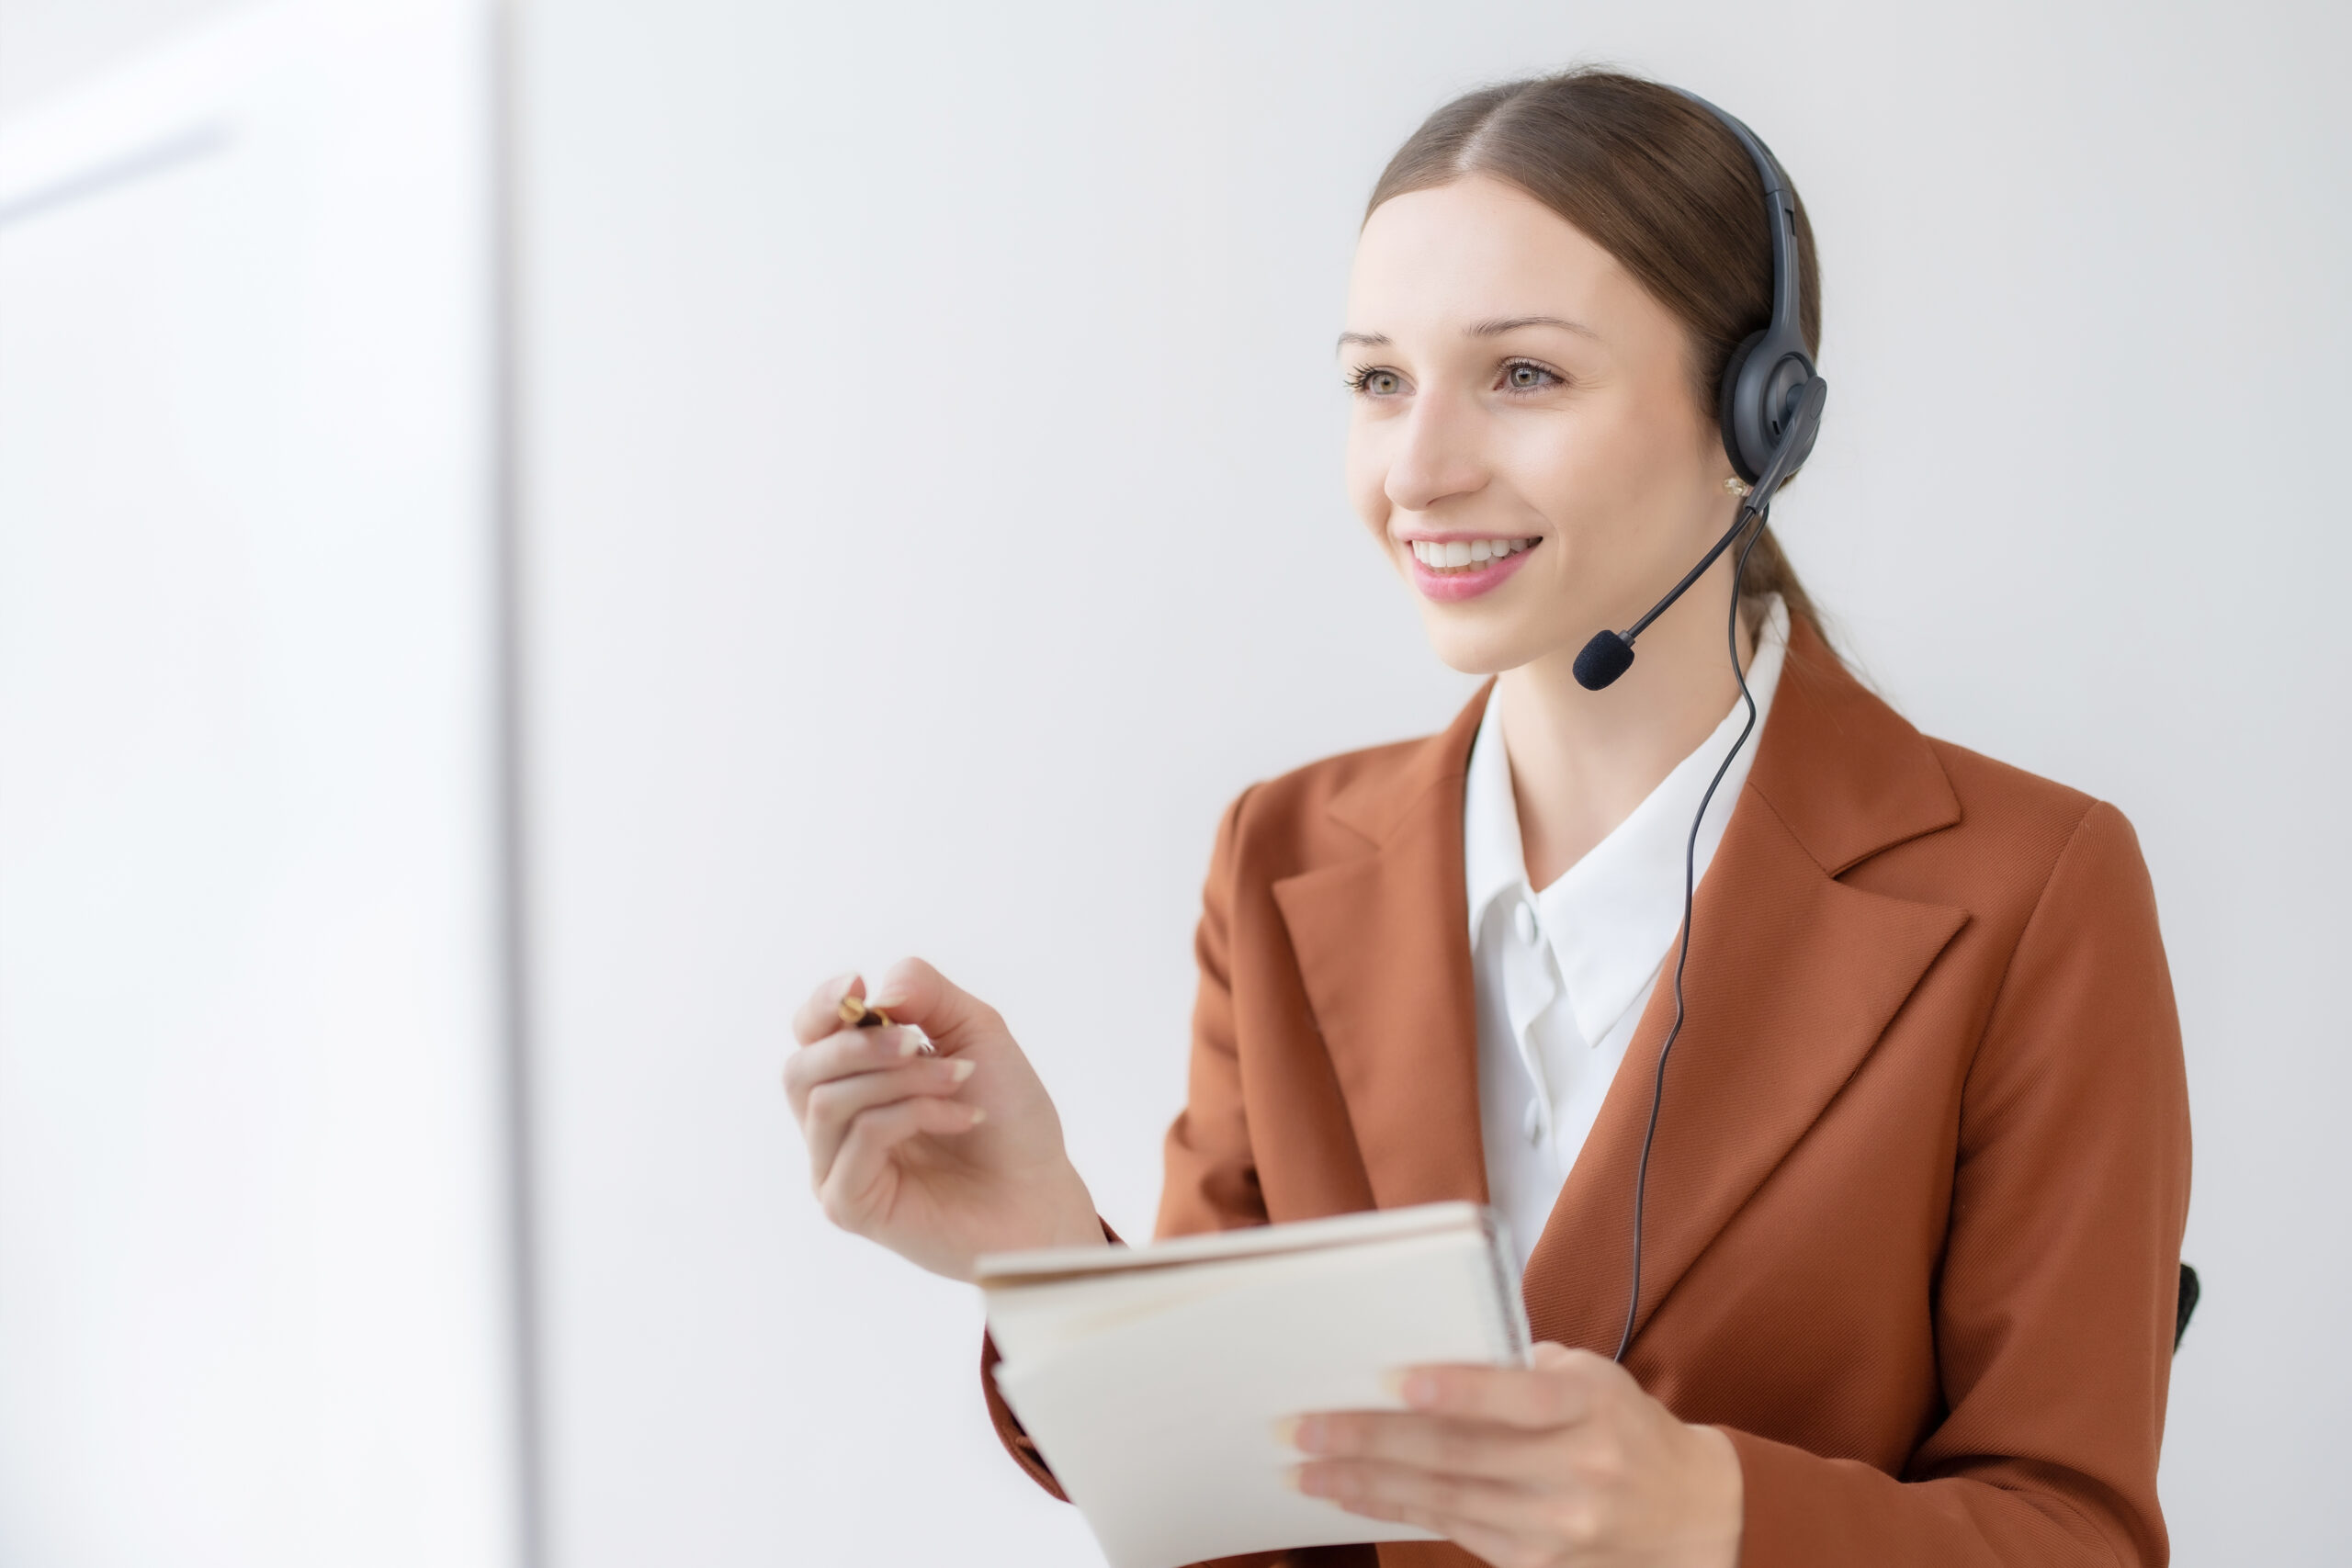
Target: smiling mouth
{"points": [[1467, 557]]}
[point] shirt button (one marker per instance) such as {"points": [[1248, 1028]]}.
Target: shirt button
{"points": [[1523, 919], [1533, 1122]]}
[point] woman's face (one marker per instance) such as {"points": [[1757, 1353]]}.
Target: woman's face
{"points": [[1520, 400]]}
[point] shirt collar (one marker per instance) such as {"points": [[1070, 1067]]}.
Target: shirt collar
{"points": [[1494, 863], [1610, 918]]}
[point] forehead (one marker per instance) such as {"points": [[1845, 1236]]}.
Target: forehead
{"points": [[1478, 249]]}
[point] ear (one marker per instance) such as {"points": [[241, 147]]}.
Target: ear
{"points": [[1726, 396]]}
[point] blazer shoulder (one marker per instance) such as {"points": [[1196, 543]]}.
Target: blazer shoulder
{"points": [[1331, 809], [1859, 780], [2014, 829], [1998, 796]]}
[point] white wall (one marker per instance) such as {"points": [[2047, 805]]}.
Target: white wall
{"points": [[52, 47], [256, 1293], [937, 518]]}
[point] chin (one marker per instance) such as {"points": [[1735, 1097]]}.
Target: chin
{"points": [[1461, 643]]}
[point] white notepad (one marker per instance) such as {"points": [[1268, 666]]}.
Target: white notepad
{"points": [[1151, 1377]]}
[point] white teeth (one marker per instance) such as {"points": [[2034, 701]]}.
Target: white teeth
{"points": [[1445, 555]]}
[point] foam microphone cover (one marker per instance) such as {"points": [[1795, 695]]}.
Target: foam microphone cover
{"points": [[1605, 658]]}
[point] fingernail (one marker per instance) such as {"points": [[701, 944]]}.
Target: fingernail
{"points": [[1309, 1434], [1294, 1477], [839, 984], [910, 1040], [1411, 1385], [961, 1068], [1286, 1432]]}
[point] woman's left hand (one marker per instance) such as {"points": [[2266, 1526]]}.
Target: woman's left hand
{"points": [[1565, 1461]]}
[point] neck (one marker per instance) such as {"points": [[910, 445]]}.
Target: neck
{"points": [[1580, 762]]}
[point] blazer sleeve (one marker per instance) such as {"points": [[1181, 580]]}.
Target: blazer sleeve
{"points": [[2054, 1310], [1212, 1183], [1212, 1177]]}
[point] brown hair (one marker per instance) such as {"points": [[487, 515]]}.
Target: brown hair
{"points": [[1659, 184]]}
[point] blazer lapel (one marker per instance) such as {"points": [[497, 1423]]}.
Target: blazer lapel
{"points": [[1383, 948], [1793, 977]]}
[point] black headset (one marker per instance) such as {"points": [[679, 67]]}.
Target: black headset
{"points": [[1769, 405]]}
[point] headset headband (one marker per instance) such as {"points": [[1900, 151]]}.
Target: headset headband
{"points": [[1762, 381]]}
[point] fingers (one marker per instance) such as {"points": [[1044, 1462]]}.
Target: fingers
{"points": [[1563, 1388], [835, 1105], [820, 1014], [1468, 1448], [855, 1184], [843, 1052], [1454, 1505], [912, 991]]}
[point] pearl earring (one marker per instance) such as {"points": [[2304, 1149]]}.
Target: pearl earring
{"points": [[1735, 486]]}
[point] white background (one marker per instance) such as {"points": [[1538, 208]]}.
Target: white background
{"points": [[254, 1251], [931, 467]]}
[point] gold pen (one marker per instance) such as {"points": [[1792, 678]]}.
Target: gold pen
{"points": [[859, 1013]]}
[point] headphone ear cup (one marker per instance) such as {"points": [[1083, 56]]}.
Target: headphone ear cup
{"points": [[1727, 405]]}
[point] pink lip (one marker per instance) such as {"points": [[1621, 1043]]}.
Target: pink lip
{"points": [[1464, 582]]}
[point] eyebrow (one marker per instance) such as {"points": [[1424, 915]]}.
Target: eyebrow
{"points": [[1494, 328], [1512, 324]]}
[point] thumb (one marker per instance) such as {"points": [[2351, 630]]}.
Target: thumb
{"points": [[912, 991]]}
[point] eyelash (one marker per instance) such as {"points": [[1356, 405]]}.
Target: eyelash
{"points": [[1357, 379]]}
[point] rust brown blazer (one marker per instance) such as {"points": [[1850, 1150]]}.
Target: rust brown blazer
{"points": [[1916, 1205]]}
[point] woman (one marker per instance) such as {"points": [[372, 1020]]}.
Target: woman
{"points": [[1919, 1171]]}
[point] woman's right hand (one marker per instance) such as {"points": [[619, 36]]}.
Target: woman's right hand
{"points": [[939, 1158]]}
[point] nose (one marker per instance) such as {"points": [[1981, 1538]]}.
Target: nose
{"points": [[1437, 456]]}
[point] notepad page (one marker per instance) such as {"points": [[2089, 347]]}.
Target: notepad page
{"points": [[1031, 1321], [1160, 1426], [1037, 1298], [1026, 1318], [995, 1268]]}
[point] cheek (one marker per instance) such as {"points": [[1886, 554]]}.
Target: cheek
{"points": [[1574, 469], [1598, 479], [1366, 474]]}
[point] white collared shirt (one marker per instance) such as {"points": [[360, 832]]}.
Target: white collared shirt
{"points": [[1561, 975]]}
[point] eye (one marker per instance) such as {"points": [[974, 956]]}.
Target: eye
{"points": [[1526, 376], [1376, 381]]}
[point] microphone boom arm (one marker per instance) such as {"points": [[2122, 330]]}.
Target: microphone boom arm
{"points": [[1758, 502]]}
